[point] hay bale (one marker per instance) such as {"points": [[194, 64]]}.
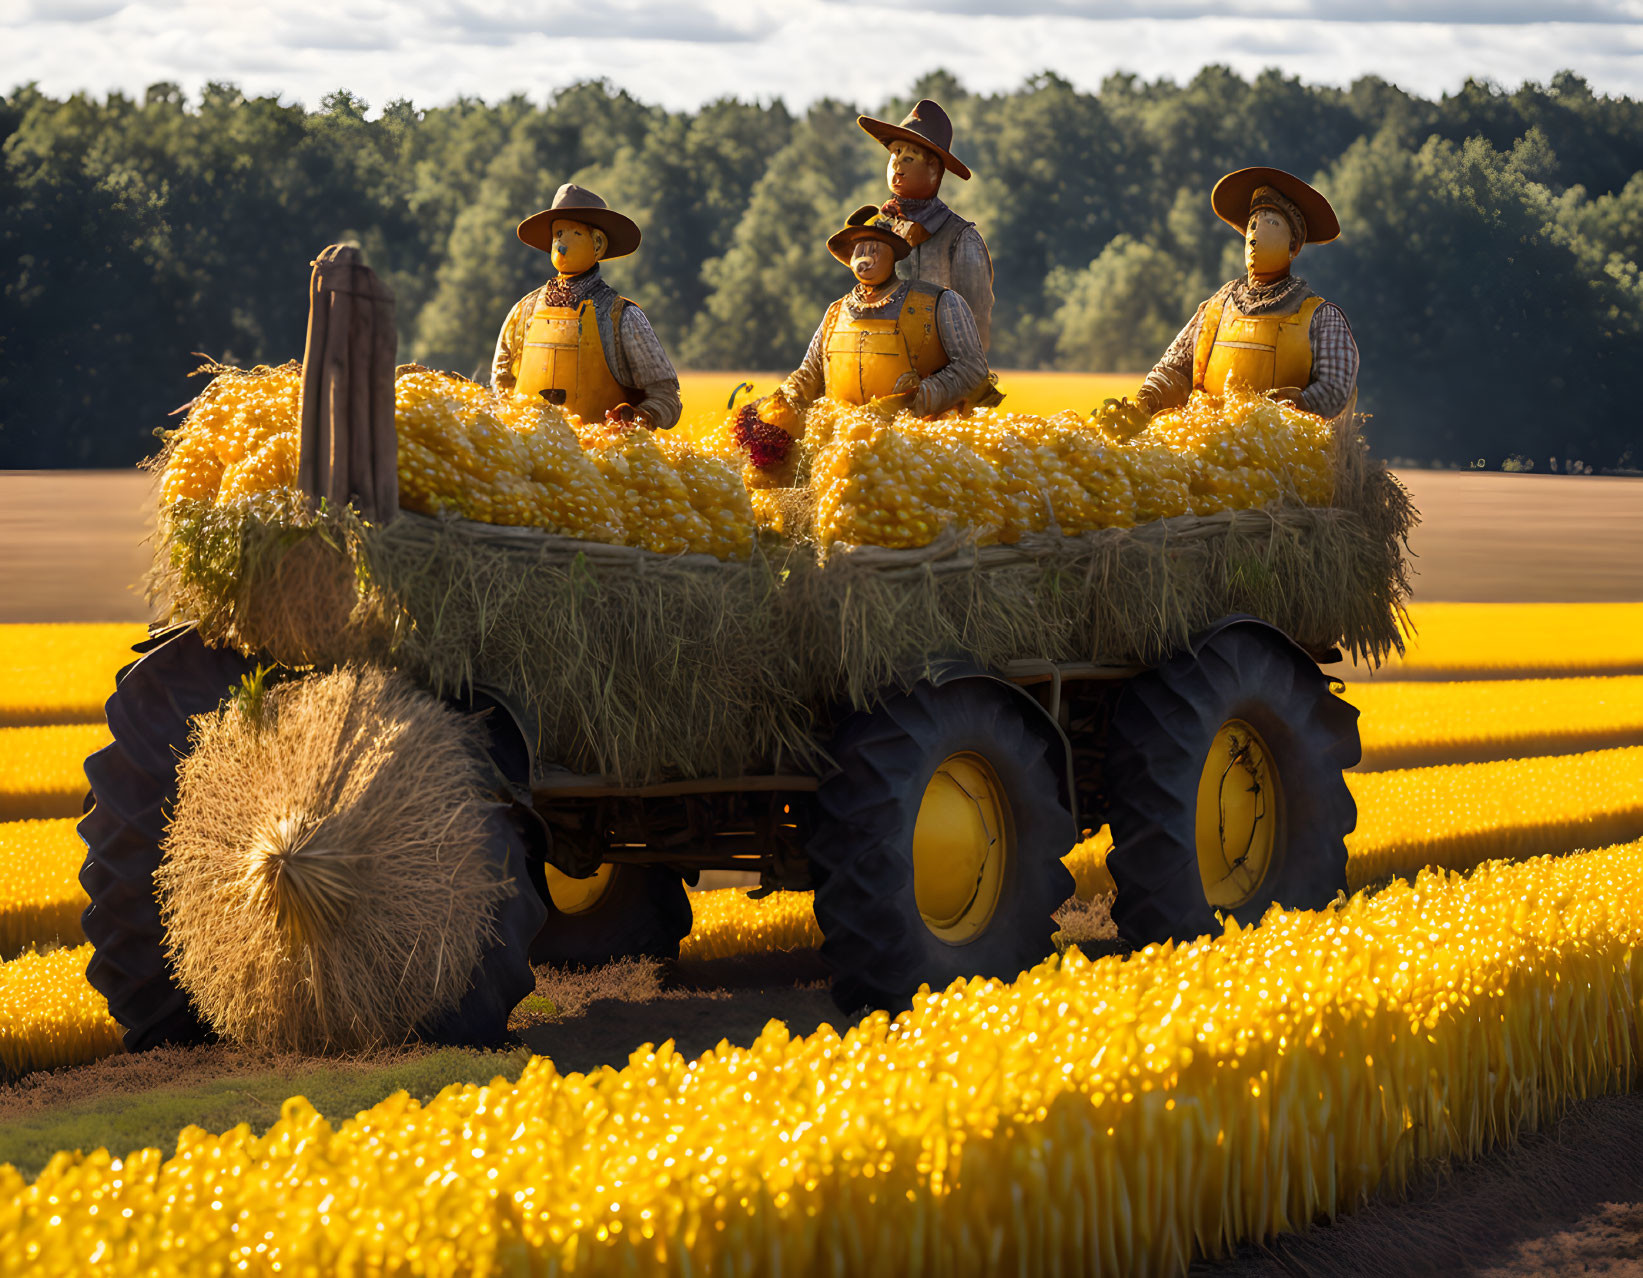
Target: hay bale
{"points": [[643, 667], [323, 885]]}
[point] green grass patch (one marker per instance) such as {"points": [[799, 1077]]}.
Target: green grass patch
{"points": [[123, 1121]]}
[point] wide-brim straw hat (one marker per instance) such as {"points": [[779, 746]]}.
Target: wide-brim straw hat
{"points": [[864, 224], [578, 204], [927, 125], [1233, 194]]}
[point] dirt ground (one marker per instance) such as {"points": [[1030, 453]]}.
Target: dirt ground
{"points": [[74, 540]]}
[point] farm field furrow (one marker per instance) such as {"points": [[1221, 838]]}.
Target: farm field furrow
{"points": [[1452, 816], [1107, 1116], [42, 769], [51, 674], [49, 1014], [40, 893], [1418, 724], [1507, 640]]}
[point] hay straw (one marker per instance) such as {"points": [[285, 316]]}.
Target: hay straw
{"points": [[641, 666], [323, 885]]}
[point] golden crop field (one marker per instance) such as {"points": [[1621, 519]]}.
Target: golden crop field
{"points": [[1418, 722], [1285, 1070], [1115, 1116], [1457, 641]]}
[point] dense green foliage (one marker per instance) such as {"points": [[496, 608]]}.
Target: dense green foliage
{"points": [[1489, 265]]}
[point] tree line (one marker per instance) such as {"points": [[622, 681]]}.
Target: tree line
{"points": [[1489, 260]]}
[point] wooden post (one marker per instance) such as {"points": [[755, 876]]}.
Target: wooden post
{"points": [[349, 452]]}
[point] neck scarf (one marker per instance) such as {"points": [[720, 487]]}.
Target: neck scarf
{"points": [[1253, 298], [927, 213], [569, 290], [863, 299]]}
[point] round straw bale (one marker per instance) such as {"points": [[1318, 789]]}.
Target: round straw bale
{"points": [[326, 883]]}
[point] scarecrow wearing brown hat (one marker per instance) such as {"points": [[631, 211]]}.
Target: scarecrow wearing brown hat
{"points": [[1267, 332], [889, 343], [575, 341], [945, 249]]}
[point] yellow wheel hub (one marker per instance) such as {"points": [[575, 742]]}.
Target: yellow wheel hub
{"points": [[1239, 799], [578, 896], [961, 848]]}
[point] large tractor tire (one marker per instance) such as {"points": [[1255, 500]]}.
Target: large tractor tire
{"points": [[133, 784], [938, 845], [1224, 772], [622, 911], [503, 975]]}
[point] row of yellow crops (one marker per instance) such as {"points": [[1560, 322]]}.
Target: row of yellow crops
{"points": [[52, 674], [50, 1015], [40, 893], [1495, 641], [1418, 722], [1453, 816], [1105, 1117], [42, 768]]}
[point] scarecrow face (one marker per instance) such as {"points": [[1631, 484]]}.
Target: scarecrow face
{"points": [[872, 261], [577, 247], [1269, 244], [914, 172]]}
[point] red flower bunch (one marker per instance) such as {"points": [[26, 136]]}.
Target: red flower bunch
{"points": [[764, 444]]}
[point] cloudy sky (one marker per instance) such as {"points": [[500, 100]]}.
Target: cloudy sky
{"points": [[688, 51]]}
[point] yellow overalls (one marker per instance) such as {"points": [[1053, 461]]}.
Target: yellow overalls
{"points": [[1255, 352], [865, 358], [562, 354]]}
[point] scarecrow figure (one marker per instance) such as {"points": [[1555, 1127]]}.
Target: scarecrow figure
{"points": [[575, 341], [1267, 332], [889, 343], [945, 249]]}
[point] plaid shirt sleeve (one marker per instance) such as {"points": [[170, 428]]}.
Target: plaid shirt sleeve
{"points": [[808, 381], [502, 361], [1170, 381], [1334, 362], [648, 368], [966, 368]]}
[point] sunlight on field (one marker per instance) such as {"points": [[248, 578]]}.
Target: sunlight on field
{"points": [[61, 673], [1499, 639], [707, 395]]}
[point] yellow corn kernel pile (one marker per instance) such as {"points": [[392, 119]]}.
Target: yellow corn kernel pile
{"points": [[50, 1016], [729, 923], [999, 474], [1093, 1117], [239, 437], [466, 451], [61, 673], [1457, 815], [1491, 641], [40, 893], [1420, 722], [42, 769]]}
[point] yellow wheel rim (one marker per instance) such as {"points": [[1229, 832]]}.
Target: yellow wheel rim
{"points": [[961, 848], [1239, 798], [578, 896]]}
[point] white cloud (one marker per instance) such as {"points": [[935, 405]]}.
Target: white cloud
{"points": [[683, 53]]}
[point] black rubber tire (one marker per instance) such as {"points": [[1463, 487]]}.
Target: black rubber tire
{"points": [[133, 783], [503, 975], [1161, 732], [645, 912], [873, 936]]}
